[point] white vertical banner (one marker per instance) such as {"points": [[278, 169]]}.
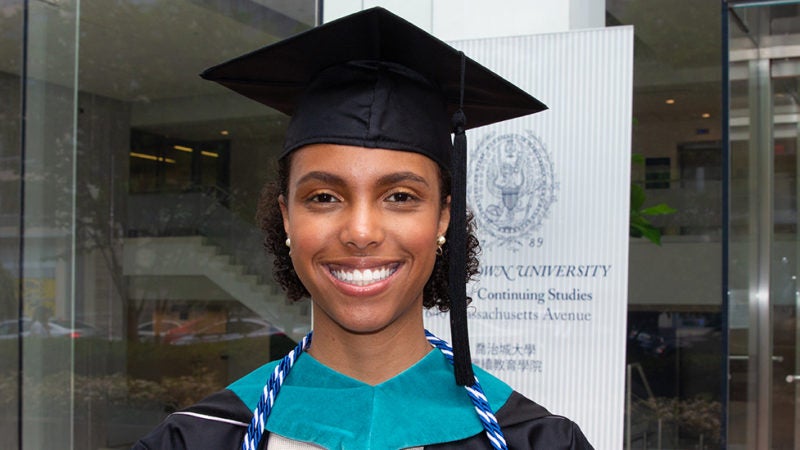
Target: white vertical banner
{"points": [[551, 193]]}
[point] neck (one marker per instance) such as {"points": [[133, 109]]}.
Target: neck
{"points": [[371, 358]]}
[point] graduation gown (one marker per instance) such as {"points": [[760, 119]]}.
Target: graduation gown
{"points": [[420, 407]]}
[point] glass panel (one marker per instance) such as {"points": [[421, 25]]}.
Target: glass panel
{"points": [[786, 243], [743, 254], [145, 284], [674, 351], [11, 39], [48, 272]]}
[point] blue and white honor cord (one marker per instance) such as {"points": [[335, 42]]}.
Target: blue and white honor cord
{"points": [[475, 392], [257, 424], [256, 428]]}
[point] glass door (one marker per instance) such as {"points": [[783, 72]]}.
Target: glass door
{"points": [[764, 375], [784, 284]]}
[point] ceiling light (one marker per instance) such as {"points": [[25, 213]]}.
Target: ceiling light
{"points": [[224, 132], [670, 101], [152, 158], [211, 154], [705, 115], [182, 148]]}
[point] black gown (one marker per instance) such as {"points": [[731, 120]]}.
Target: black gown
{"points": [[410, 410]]}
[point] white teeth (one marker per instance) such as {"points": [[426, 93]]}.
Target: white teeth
{"points": [[368, 276]]}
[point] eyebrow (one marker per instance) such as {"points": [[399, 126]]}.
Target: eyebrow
{"points": [[397, 177], [324, 177], [388, 179]]}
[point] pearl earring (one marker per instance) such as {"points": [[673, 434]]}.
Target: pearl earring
{"points": [[439, 243]]}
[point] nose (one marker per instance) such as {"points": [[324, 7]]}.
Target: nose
{"points": [[363, 226]]}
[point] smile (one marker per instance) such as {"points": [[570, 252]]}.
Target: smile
{"points": [[364, 277]]}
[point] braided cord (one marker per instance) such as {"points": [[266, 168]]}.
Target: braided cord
{"points": [[475, 392], [256, 428]]}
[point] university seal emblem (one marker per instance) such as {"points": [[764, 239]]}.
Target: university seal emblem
{"points": [[512, 188]]}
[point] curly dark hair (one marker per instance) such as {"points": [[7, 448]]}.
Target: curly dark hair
{"points": [[270, 220]]}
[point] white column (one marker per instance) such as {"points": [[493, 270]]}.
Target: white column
{"points": [[453, 20]]}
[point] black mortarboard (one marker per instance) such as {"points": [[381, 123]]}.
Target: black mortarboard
{"points": [[374, 80]]}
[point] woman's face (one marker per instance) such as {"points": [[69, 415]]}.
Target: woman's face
{"points": [[363, 225]]}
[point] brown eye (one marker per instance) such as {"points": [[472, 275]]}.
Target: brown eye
{"points": [[400, 197], [323, 198]]}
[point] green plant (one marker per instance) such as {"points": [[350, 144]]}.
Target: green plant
{"points": [[640, 225]]}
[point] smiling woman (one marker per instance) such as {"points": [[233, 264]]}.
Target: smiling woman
{"points": [[271, 221], [366, 222], [348, 211]]}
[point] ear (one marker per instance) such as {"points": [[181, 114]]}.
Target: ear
{"points": [[444, 217], [284, 213]]}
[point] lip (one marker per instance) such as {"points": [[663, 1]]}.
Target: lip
{"points": [[354, 289]]}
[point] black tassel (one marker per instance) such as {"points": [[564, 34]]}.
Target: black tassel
{"points": [[458, 248], [457, 263]]}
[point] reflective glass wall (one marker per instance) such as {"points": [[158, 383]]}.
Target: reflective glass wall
{"points": [[675, 386], [133, 278]]}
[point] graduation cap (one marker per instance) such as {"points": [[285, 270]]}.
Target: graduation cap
{"points": [[374, 80]]}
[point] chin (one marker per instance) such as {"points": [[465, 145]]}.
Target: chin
{"points": [[363, 326], [357, 324]]}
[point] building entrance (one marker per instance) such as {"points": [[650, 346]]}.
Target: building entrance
{"points": [[764, 71]]}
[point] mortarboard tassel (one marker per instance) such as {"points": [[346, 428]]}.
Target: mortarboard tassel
{"points": [[458, 247]]}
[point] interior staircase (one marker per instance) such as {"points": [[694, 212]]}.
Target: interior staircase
{"points": [[189, 245], [196, 266]]}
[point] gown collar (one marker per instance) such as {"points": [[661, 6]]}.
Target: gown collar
{"points": [[420, 406]]}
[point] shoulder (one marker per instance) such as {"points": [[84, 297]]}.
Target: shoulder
{"points": [[525, 422], [217, 422], [527, 425]]}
